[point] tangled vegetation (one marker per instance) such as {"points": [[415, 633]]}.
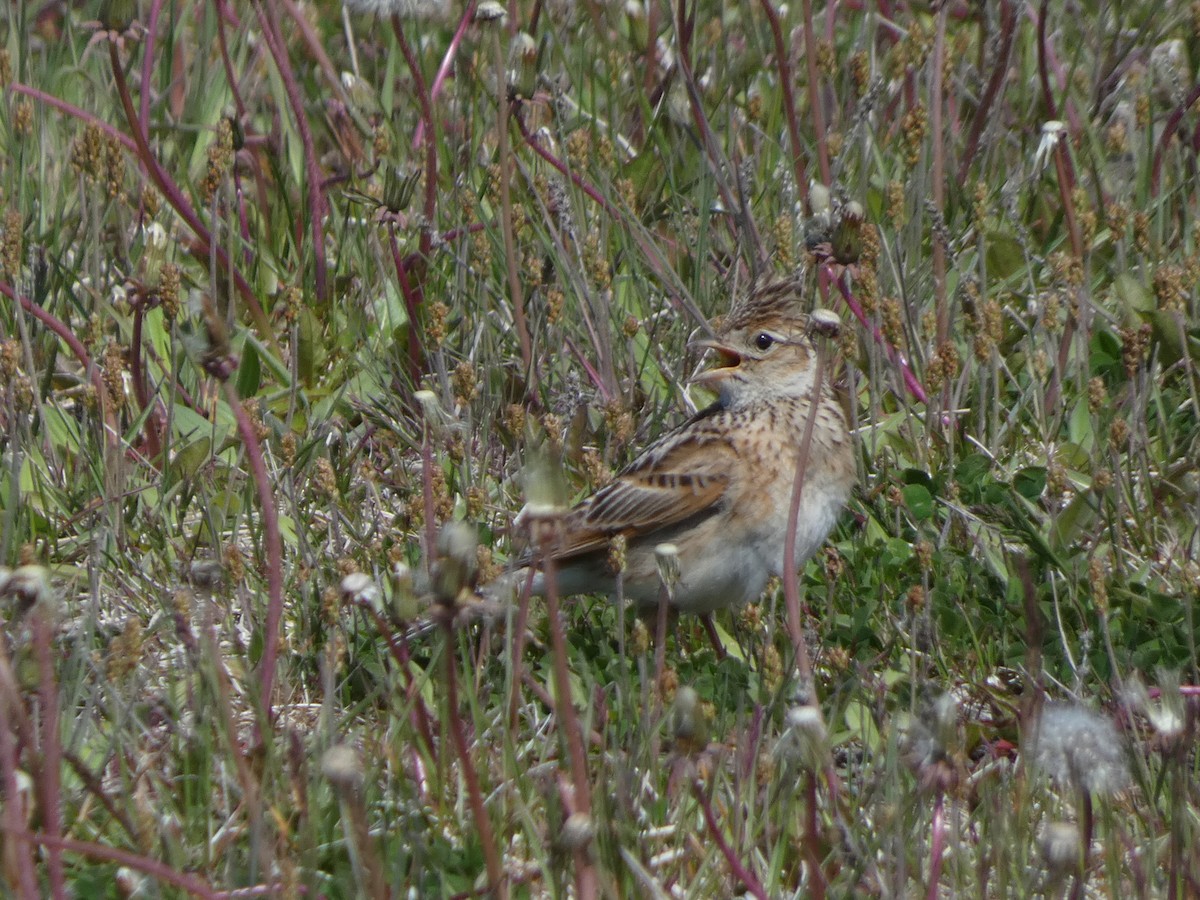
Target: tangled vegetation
{"points": [[288, 288]]}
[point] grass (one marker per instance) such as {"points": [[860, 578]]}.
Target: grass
{"points": [[287, 290]]}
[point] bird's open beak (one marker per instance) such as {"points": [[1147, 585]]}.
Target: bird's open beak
{"points": [[728, 359]]}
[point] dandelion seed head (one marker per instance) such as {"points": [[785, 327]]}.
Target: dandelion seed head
{"points": [[405, 9], [1078, 746]]}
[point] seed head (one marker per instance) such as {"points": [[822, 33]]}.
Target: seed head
{"points": [[1078, 746]]}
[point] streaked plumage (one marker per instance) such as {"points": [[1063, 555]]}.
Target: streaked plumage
{"points": [[719, 486]]}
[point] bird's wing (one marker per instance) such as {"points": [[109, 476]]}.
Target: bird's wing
{"points": [[682, 475]]}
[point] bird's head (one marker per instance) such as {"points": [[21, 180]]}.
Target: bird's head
{"points": [[764, 347]]}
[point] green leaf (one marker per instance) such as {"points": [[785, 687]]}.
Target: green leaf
{"points": [[861, 725], [918, 500], [1030, 482], [1133, 294], [1004, 256], [249, 375], [307, 349], [189, 460], [971, 470]]}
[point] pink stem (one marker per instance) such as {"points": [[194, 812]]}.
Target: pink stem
{"points": [[312, 171], [935, 862], [894, 355], [444, 69]]}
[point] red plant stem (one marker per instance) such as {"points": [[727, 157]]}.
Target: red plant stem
{"points": [[148, 63], [439, 79], [517, 653], [398, 648], [137, 375], [112, 432], [495, 872], [416, 356], [159, 870], [271, 539], [243, 220], [910, 380], [791, 588], [713, 157], [10, 714], [71, 110], [558, 164], [1168, 132], [784, 65], [174, 196], [427, 464], [939, 186], [313, 42], [227, 63], [585, 875], [651, 74], [594, 376], [312, 170], [814, 94], [1087, 815], [740, 872], [1046, 60], [812, 832], [1066, 185], [991, 93], [938, 840], [48, 775], [430, 134], [515, 290]]}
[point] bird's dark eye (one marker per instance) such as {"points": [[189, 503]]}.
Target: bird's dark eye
{"points": [[763, 341]]}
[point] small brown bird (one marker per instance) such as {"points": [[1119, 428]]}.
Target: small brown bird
{"points": [[719, 487]]}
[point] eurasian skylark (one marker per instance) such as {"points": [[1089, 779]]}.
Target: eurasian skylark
{"points": [[719, 487]]}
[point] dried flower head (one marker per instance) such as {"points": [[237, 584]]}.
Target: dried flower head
{"points": [[1078, 746], [405, 9], [805, 740], [931, 744]]}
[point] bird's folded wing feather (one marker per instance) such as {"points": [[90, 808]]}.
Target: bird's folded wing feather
{"points": [[670, 483]]}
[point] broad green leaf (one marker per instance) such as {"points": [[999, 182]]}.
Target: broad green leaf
{"points": [[918, 500], [1030, 482]]}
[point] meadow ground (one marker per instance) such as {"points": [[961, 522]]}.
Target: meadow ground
{"points": [[287, 287]]}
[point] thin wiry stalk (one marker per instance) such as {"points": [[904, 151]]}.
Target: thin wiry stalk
{"points": [[154, 427], [497, 884], [816, 109], [148, 62], [112, 431], [740, 872], [936, 852], [14, 731], [1168, 133], [938, 190], [993, 91], [317, 202], [439, 79], [272, 540], [812, 835], [586, 884], [1066, 186], [791, 588], [718, 165], [50, 743], [425, 105], [894, 356], [515, 290], [208, 250], [412, 306], [231, 78], [397, 647], [784, 64]]}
